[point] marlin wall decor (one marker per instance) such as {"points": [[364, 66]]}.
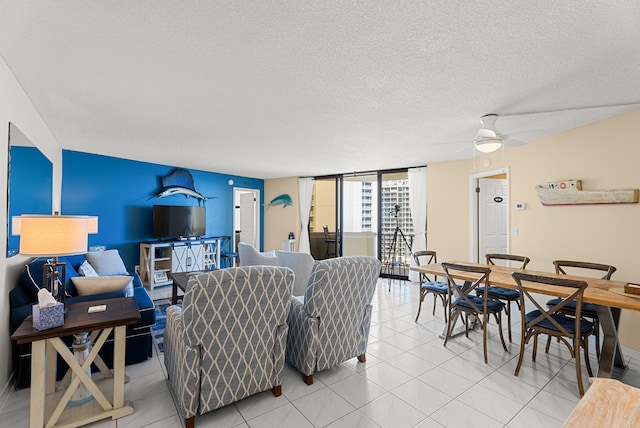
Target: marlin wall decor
{"points": [[180, 182]]}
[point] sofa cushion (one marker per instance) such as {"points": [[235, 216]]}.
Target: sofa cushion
{"points": [[89, 285], [107, 263], [32, 280]]}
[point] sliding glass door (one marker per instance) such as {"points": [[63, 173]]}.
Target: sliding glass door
{"points": [[325, 218], [396, 226], [365, 214], [360, 215]]}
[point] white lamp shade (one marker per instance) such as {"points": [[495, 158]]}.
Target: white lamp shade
{"points": [[92, 225], [488, 145], [55, 235]]}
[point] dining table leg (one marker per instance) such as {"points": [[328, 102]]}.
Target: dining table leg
{"points": [[611, 353]]}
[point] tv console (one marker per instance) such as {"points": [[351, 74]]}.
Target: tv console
{"points": [[158, 258]]}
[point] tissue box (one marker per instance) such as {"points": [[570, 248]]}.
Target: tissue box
{"points": [[48, 316]]}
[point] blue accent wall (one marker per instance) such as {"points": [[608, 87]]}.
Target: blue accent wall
{"points": [[30, 187], [121, 193]]}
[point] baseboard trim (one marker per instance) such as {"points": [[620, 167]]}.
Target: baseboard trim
{"points": [[4, 393]]}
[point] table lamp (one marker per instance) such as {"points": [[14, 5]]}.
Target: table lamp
{"points": [[54, 236]]}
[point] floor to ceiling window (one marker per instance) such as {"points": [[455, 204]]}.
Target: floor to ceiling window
{"points": [[396, 234], [367, 214], [360, 215], [324, 223]]}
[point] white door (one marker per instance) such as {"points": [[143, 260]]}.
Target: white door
{"points": [[246, 219], [492, 216]]}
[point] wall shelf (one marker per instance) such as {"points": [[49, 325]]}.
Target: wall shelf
{"points": [[551, 197]]}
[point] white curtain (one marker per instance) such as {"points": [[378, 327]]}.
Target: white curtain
{"points": [[418, 206], [305, 192]]}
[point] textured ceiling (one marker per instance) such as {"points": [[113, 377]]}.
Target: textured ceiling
{"points": [[285, 88]]}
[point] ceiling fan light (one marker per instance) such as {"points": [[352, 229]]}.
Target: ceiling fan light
{"points": [[488, 145]]}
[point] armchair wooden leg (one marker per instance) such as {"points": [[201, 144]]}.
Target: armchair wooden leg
{"points": [[362, 358], [277, 390], [190, 422], [308, 379]]}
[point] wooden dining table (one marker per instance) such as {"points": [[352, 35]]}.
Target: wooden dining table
{"points": [[607, 295]]}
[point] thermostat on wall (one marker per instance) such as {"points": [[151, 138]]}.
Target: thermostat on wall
{"points": [[521, 206]]}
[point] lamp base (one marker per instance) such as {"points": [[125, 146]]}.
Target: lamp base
{"points": [[53, 275]]}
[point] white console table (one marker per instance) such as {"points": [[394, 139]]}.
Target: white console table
{"points": [[159, 258]]}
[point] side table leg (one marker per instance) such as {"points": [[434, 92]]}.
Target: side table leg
{"points": [[36, 416], [118, 367], [51, 360]]}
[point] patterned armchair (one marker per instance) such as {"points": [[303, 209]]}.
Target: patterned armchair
{"points": [[332, 325], [228, 339]]}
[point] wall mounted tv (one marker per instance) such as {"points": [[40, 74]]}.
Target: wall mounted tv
{"points": [[171, 221]]}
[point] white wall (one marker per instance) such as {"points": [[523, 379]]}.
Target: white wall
{"points": [[16, 107]]}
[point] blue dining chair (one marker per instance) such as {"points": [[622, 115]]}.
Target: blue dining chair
{"points": [[588, 309], [429, 286], [505, 295], [573, 331], [461, 302]]}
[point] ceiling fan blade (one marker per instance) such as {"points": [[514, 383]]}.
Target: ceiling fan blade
{"points": [[514, 143], [465, 148]]}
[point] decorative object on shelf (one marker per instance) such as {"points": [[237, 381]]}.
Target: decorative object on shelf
{"points": [[160, 277], [567, 185], [569, 192], [54, 235], [180, 182], [283, 200]]}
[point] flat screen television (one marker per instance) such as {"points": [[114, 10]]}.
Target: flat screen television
{"points": [[171, 221]]}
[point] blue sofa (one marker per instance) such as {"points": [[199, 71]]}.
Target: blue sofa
{"points": [[139, 344]]}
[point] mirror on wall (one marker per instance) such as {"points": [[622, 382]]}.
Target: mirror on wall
{"points": [[30, 185]]}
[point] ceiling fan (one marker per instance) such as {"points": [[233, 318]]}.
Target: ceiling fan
{"points": [[489, 139]]}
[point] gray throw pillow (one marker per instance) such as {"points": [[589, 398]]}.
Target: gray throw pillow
{"points": [[107, 263]]}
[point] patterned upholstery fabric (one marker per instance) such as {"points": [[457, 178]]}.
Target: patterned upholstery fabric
{"points": [[332, 325], [228, 339]]}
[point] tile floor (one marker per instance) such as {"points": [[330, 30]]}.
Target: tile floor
{"points": [[409, 380]]}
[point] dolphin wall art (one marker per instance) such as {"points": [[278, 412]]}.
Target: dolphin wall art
{"points": [[283, 200]]}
